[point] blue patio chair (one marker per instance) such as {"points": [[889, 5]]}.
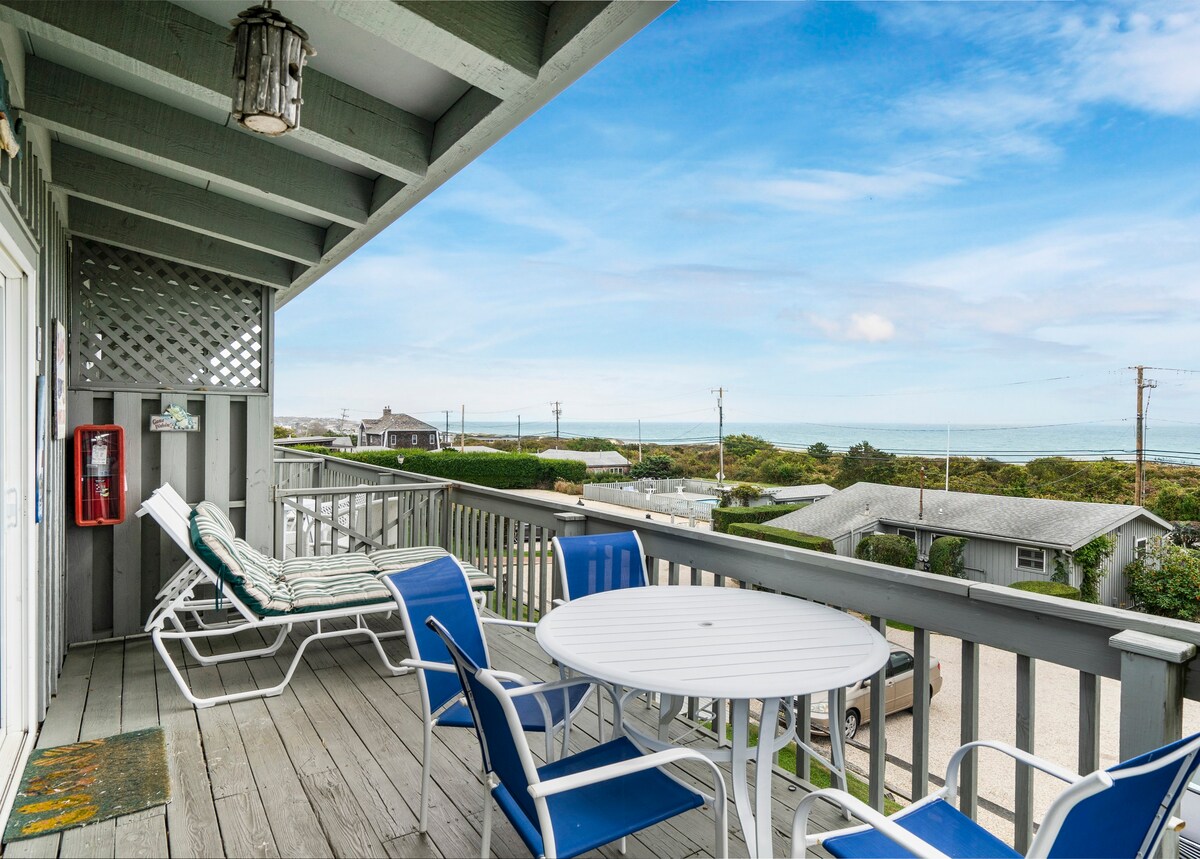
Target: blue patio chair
{"points": [[595, 563], [580, 802], [1118, 812], [441, 588]]}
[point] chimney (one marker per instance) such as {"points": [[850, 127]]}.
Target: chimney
{"points": [[387, 411]]}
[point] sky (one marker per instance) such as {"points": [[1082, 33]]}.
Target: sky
{"points": [[888, 212]]}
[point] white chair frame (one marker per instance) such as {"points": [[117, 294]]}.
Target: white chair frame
{"points": [[178, 603]]}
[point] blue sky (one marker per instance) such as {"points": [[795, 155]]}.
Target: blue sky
{"points": [[885, 212]]}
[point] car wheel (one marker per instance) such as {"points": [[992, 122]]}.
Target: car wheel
{"points": [[851, 724]]}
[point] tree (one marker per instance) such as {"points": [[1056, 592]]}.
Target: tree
{"points": [[894, 549], [744, 493], [1088, 559], [284, 432], [1165, 580], [819, 450], [742, 445], [659, 466], [589, 444], [864, 462]]}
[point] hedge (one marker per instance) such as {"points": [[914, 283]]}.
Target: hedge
{"points": [[1050, 589], [772, 534], [946, 557], [497, 470], [723, 517], [895, 549]]}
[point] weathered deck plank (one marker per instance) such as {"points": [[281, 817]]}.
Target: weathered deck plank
{"points": [[331, 767]]}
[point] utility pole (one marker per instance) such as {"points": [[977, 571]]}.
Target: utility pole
{"points": [[1139, 481], [518, 433], [446, 412], [462, 435], [720, 392], [557, 413], [342, 422], [639, 439], [947, 457]]}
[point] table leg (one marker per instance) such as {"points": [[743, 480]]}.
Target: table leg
{"points": [[768, 724], [740, 774], [669, 707], [837, 739]]}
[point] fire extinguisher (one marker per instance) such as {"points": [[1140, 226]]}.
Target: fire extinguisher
{"points": [[99, 469]]}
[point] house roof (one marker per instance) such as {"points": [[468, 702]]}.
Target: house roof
{"points": [[401, 422], [399, 97], [591, 458], [473, 448], [809, 490], [1041, 521]]}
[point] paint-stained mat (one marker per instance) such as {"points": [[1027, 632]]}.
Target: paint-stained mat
{"points": [[73, 785]]}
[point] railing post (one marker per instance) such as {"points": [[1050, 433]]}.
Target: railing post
{"points": [[1152, 680], [569, 525], [447, 503]]}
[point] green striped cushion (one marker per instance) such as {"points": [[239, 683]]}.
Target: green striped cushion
{"points": [[217, 516], [320, 565], [336, 590], [398, 560]]}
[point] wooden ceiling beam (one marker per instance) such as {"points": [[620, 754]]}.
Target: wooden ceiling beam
{"points": [[120, 186], [495, 46], [149, 131], [174, 48], [112, 226]]}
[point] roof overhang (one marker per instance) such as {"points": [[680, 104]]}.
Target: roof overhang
{"points": [[134, 99]]}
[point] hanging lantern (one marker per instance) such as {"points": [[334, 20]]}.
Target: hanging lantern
{"points": [[270, 55]]}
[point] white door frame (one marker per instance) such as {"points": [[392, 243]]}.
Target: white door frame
{"points": [[19, 627]]}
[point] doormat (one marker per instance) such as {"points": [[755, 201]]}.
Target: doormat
{"points": [[68, 786]]}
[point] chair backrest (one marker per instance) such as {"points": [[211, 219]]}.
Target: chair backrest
{"points": [[1123, 810], [174, 499], [594, 563], [439, 588], [501, 739]]}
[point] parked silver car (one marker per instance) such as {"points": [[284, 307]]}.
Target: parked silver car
{"points": [[898, 696]]}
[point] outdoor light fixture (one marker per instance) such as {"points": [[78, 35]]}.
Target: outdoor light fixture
{"points": [[270, 53]]}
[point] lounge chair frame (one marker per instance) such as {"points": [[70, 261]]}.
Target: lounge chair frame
{"points": [[178, 603]]}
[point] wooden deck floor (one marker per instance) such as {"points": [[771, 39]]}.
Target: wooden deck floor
{"points": [[329, 768]]}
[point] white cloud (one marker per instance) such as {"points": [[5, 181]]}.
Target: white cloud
{"points": [[804, 189], [871, 327]]}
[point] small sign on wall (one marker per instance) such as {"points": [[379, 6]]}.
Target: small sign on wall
{"points": [[174, 420]]}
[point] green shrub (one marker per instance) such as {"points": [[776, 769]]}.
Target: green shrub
{"points": [[894, 549], [1165, 580], [497, 470], [1089, 559], [723, 517], [771, 534], [946, 556], [1050, 589]]}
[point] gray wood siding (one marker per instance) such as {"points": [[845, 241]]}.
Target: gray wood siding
{"points": [[25, 185], [116, 571]]}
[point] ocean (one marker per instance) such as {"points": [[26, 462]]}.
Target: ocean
{"points": [[1174, 442]]}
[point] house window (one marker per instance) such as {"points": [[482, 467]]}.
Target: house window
{"points": [[432, 438], [1139, 546], [414, 441], [910, 533], [1029, 558]]}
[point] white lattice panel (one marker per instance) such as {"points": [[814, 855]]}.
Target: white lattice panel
{"points": [[144, 322]]}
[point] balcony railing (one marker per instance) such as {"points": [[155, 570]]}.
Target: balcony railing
{"points": [[508, 535]]}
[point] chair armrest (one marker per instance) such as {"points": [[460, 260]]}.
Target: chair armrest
{"points": [[611, 771], [557, 602], [503, 621], [427, 666], [863, 812], [1049, 767]]}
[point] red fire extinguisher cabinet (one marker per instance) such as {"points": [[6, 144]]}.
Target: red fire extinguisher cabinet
{"points": [[99, 474]]}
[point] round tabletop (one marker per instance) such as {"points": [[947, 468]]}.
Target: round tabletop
{"points": [[712, 642]]}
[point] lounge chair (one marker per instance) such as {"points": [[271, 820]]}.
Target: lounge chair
{"points": [[440, 588], [579, 802], [263, 593], [1118, 812]]}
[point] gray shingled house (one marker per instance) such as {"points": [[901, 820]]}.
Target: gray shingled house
{"points": [[597, 461], [1010, 539], [398, 431]]}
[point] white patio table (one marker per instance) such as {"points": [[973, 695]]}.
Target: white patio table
{"points": [[711, 642]]}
